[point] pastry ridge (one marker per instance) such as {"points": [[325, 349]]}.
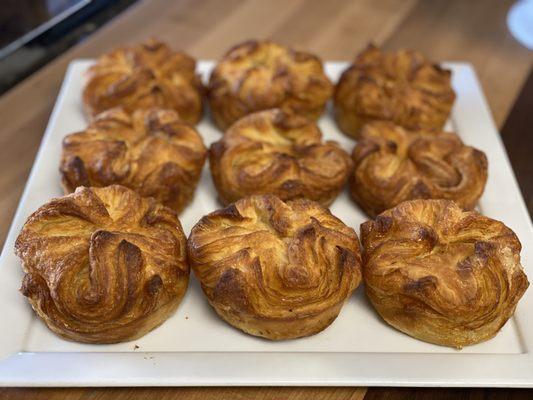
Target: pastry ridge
{"points": [[392, 164], [441, 274], [148, 74], [402, 87], [151, 151], [280, 153], [279, 270], [103, 265], [259, 75]]}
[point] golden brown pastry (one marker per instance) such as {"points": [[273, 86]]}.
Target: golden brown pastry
{"points": [[274, 269], [440, 274], [103, 265], [279, 153], [151, 151], [258, 75], [403, 87], [392, 165], [147, 75]]}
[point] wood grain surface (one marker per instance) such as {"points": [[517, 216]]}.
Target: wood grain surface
{"points": [[517, 135], [473, 31]]}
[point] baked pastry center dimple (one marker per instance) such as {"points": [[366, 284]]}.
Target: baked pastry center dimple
{"points": [[103, 265], [275, 269], [143, 76], [255, 76], [392, 164], [278, 153], [432, 159], [402, 87], [441, 274], [151, 151]]}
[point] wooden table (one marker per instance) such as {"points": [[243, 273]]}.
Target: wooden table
{"points": [[473, 31]]}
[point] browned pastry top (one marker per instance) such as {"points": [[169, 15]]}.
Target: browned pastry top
{"points": [[258, 75], [151, 151], [103, 265], [392, 165], [146, 75], [280, 153], [269, 259], [442, 274], [403, 87]]}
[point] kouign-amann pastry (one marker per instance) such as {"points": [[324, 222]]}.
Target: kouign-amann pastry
{"points": [[279, 153], [258, 75], [402, 87], [151, 151], [147, 75], [441, 274], [392, 165], [274, 269], [103, 265]]}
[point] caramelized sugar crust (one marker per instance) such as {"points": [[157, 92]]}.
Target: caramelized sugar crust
{"points": [[275, 269], [103, 265], [441, 274]]}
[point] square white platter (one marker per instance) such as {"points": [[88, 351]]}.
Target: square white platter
{"points": [[195, 347]]}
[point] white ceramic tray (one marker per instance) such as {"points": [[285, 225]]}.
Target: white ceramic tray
{"points": [[195, 347]]}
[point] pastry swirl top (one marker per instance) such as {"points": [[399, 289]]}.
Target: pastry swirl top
{"points": [[268, 259], [442, 274], [146, 75], [151, 151], [392, 165], [258, 75], [276, 152], [402, 87], [103, 265]]}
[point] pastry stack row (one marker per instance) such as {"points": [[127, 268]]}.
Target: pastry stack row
{"points": [[109, 261]]}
